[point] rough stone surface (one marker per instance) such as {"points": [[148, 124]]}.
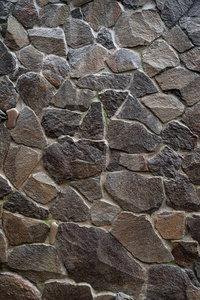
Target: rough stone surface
{"points": [[105, 297], [89, 188], [193, 223], [5, 8], [26, 13], [12, 115], [132, 4], [31, 58], [5, 140], [53, 15], [197, 267], [77, 13], [104, 38], [185, 252], [103, 213], [191, 166], [142, 85], [191, 59], [191, 25], [136, 193], [80, 2], [7, 61], [192, 118], [18, 72], [112, 100], [3, 248], [133, 162], [8, 95]]}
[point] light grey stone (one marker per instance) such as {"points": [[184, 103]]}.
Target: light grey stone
{"points": [[191, 59]]}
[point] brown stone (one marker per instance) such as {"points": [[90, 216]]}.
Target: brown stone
{"points": [[133, 162], [3, 248], [185, 253], [12, 117], [89, 188], [192, 118], [5, 140], [193, 224], [191, 165], [26, 13]]}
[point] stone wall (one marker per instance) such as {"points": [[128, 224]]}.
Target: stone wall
{"points": [[99, 150]]}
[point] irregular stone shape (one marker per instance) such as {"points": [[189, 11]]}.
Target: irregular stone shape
{"points": [[132, 4], [76, 13], [7, 61], [55, 69], [12, 115], [78, 33], [3, 117], [104, 81], [19, 163], [5, 8], [185, 252], [114, 164], [18, 202], [54, 15], [138, 29], [170, 225], [132, 137], [3, 248], [16, 35], [192, 118], [129, 228], [191, 59], [193, 223], [158, 56], [28, 130], [133, 162], [74, 160], [86, 60], [69, 206], [135, 192], [110, 12], [41, 263], [197, 267], [5, 187], [13, 286], [87, 255], [41, 188], [165, 163], [49, 40], [89, 188], [165, 107], [8, 95], [181, 194], [58, 122], [26, 13], [80, 2], [83, 100], [191, 25], [123, 60], [104, 38], [18, 72], [132, 109], [103, 213], [31, 58], [19, 229], [5, 140], [177, 39], [142, 85], [40, 91], [191, 166], [178, 136], [112, 100]]}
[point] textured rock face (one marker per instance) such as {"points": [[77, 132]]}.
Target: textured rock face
{"points": [[104, 38], [103, 213], [192, 118], [8, 95], [31, 58], [53, 15], [89, 188], [193, 225], [3, 248], [26, 13], [185, 252], [191, 164], [4, 143], [191, 59], [112, 100], [142, 85], [5, 188]]}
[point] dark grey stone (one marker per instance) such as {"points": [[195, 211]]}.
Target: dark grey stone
{"points": [[132, 4], [25, 12], [7, 61], [5, 187], [3, 117], [192, 118], [104, 38], [191, 166], [193, 223], [76, 13], [114, 164], [31, 58], [89, 188], [8, 95], [53, 15], [112, 100], [3, 248], [185, 252], [142, 85], [103, 213], [18, 72], [5, 140], [5, 8]]}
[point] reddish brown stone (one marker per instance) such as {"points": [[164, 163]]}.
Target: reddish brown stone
{"points": [[185, 252], [26, 13]]}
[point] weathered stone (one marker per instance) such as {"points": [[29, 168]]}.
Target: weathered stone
{"points": [[132, 4], [191, 166], [69, 206], [165, 107], [114, 164], [19, 163], [15, 287], [170, 225], [80, 2], [5, 187], [197, 267], [132, 109], [31, 58], [107, 270], [41, 188], [8, 95], [103, 213], [86, 60], [159, 56], [89, 188], [18, 202], [76, 160], [185, 252], [49, 40], [5, 8], [133, 162], [38, 89], [191, 25], [41, 263], [132, 137], [139, 28], [104, 38], [3, 117], [12, 115], [3, 248], [83, 100], [78, 33], [26, 13], [142, 85], [192, 118], [165, 163], [191, 59], [5, 140], [42, 2], [112, 100], [129, 228], [58, 122], [181, 194], [19, 229], [76, 13], [54, 15], [18, 72], [92, 126], [7, 61], [193, 224], [135, 192], [105, 297]]}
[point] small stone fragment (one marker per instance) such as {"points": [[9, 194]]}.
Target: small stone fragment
{"points": [[191, 166], [185, 253], [18, 72], [5, 187], [132, 4], [53, 232], [103, 213], [12, 117], [193, 224], [104, 38], [54, 15], [112, 100], [80, 2], [192, 118], [8, 95], [76, 13], [191, 25], [89, 188], [7, 61], [142, 85], [114, 164], [133, 162], [31, 58], [5, 140], [3, 248], [5, 8], [26, 13], [191, 59]]}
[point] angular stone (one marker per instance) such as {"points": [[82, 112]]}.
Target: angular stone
{"points": [[68, 159], [112, 100], [104, 38], [165, 107], [132, 4], [78, 33], [49, 40], [7, 61], [15, 287], [76, 13], [142, 85], [138, 29], [19, 163], [159, 56], [5, 187], [41, 263], [54, 15], [114, 164], [103, 213], [170, 225], [80, 2], [40, 91], [8, 95], [181, 194], [26, 13], [18, 72], [12, 115], [89, 188], [191, 166], [132, 137], [69, 206], [191, 59], [5, 8], [18, 202], [193, 223], [5, 140], [86, 60], [185, 253], [83, 100], [107, 270], [31, 58], [192, 118], [41, 188], [58, 122], [19, 229], [3, 248], [132, 109], [165, 163], [133, 162], [135, 192], [191, 25], [197, 267]]}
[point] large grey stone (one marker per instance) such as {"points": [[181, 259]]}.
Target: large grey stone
{"points": [[3, 248], [26, 13], [191, 59], [5, 187], [89, 188], [142, 85], [31, 58], [192, 118], [104, 38], [103, 213], [5, 140], [8, 95], [191, 166], [112, 100], [53, 15]]}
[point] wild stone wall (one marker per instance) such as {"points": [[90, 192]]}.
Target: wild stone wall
{"points": [[99, 150]]}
